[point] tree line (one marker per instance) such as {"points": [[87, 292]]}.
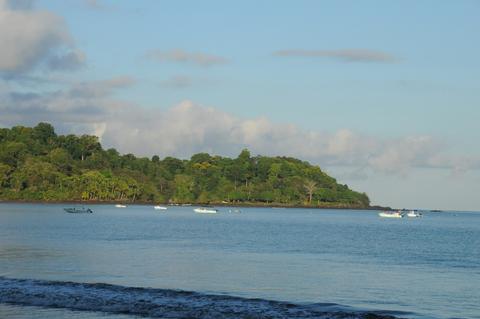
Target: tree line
{"points": [[38, 164]]}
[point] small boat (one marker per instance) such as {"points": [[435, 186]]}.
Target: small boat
{"points": [[158, 207], [205, 210], [392, 214], [120, 206], [75, 210], [236, 210], [414, 214]]}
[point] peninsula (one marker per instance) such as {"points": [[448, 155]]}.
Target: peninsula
{"points": [[36, 164]]}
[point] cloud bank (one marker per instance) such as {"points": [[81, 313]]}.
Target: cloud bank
{"points": [[188, 128], [32, 38], [346, 55]]}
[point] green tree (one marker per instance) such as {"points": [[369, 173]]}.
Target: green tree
{"points": [[87, 145], [4, 174], [44, 133], [200, 158], [12, 153], [184, 189], [61, 159]]}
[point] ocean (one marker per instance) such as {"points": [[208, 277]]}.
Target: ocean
{"points": [[138, 262]]}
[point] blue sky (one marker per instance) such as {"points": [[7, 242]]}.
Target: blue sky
{"points": [[436, 72], [384, 93]]}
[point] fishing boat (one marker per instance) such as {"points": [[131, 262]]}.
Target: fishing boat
{"points": [[76, 210], [392, 214], [158, 207], [413, 213], [120, 206], [205, 210]]}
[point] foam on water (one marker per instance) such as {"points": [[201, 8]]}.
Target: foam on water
{"points": [[161, 303]]}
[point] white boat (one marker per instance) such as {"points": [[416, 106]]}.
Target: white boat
{"points": [[120, 206], [158, 207], [237, 211], [414, 214], [205, 210], [76, 210], [390, 214]]}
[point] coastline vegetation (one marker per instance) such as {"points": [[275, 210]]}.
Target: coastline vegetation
{"points": [[36, 164]]}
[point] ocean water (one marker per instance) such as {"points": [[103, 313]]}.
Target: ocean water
{"points": [[260, 263]]}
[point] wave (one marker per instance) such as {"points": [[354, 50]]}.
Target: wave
{"points": [[162, 303]]}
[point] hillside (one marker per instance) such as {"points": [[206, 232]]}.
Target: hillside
{"points": [[36, 164]]}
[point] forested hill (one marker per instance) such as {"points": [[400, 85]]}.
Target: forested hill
{"points": [[37, 164]]}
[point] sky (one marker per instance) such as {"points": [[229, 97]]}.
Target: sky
{"points": [[383, 95]]}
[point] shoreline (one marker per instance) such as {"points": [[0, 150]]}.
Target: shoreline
{"points": [[252, 205]]}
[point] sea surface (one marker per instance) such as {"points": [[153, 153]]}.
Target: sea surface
{"points": [[260, 263]]}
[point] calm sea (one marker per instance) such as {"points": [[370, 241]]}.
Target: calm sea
{"points": [[274, 263]]}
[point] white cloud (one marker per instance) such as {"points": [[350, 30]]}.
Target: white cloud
{"points": [[29, 38], [344, 55], [181, 56], [99, 89]]}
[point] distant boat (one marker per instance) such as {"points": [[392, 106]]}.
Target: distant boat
{"points": [[387, 214], [234, 211], [158, 207], [75, 210], [120, 206], [414, 213], [205, 210]]}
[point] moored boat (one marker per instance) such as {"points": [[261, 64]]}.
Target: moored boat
{"points": [[205, 210], [392, 214], [158, 207], [414, 214], [120, 206], [76, 210]]}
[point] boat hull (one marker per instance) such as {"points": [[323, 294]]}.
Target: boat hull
{"points": [[78, 210], [205, 211], [414, 215], [390, 215]]}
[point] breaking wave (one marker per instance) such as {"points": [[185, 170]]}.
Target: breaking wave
{"points": [[161, 303]]}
